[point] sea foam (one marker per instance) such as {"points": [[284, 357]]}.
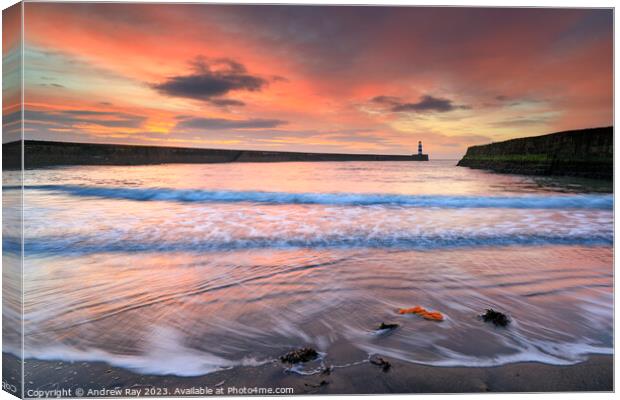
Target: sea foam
{"points": [[580, 201]]}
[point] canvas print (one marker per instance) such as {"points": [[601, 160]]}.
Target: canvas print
{"points": [[231, 199]]}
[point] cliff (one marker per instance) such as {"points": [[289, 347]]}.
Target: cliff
{"points": [[584, 153], [39, 154]]}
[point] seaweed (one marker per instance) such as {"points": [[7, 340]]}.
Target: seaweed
{"points": [[423, 312], [301, 355], [379, 361], [384, 326], [320, 384], [496, 317], [327, 370]]}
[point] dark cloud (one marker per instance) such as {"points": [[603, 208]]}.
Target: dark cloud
{"points": [[69, 118], [226, 102], [221, 123], [56, 85], [427, 103], [388, 100], [211, 80], [11, 126], [511, 101], [12, 118], [278, 78], [521, 121], [345, 40]]}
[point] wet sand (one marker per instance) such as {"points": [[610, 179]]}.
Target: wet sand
{"points": [[595, 374]]}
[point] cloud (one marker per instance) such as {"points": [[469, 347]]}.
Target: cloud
{"points": [[388, 100], [226, 102], [56, 85], [521, 121], [211, 80], [70, 118], [514, 100], [221, 123], [427, 103]]}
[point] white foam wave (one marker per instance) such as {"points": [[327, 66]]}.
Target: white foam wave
{"points": [[165, 354], [583, 201]]}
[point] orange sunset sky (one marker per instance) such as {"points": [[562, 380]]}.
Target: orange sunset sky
{"points": [[302, 78]]}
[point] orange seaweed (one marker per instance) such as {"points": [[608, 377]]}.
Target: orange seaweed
{"points": [[421, 311], [433, 316], [412, 310]]}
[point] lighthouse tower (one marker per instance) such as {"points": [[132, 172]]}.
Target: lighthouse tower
{"points": [[420, 156]]}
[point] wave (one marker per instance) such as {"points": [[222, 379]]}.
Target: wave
{"points": [[169, 356], [80, 245], [584, 201], [551, 353]]}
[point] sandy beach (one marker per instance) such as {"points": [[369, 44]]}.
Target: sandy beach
{"points": [[99, 379]]}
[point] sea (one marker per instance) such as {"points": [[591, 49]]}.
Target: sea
{"points": [[187, 269]]}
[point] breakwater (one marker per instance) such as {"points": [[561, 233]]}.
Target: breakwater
{"points": [[39, 154], [586, 153]]}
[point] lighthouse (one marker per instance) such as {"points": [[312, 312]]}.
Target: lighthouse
{"points": [[420, 156]]}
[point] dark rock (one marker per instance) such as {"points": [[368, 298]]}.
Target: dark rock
{"points": [[496, 317], [302, 355], [379, 361], [322, 383], [585, 153], [387, 326]]}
